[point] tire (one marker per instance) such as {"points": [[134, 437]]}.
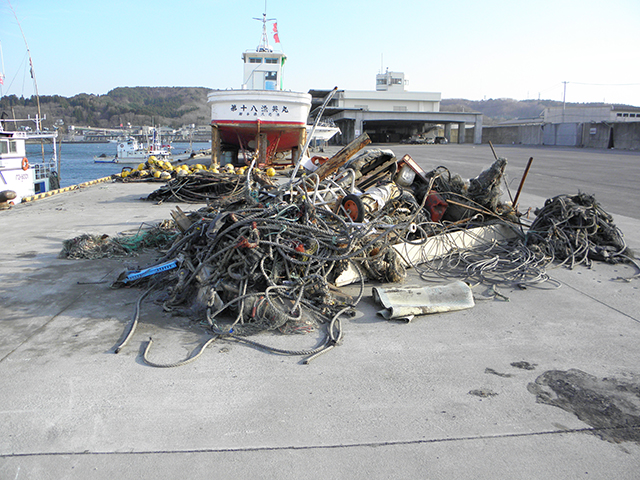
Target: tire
{"points": [[353, 207]]}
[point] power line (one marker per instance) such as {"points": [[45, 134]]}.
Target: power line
{"points": [[607, 84]]}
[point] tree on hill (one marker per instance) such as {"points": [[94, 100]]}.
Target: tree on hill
{"points": [[162, 106]]}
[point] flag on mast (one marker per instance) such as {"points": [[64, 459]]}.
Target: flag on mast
{"points": [[275, 32]]}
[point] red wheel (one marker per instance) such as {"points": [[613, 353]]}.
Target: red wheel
{"points": [[354, 208]]}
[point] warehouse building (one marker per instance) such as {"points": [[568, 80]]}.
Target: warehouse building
{"points": [[593, 126], [391, 114]]}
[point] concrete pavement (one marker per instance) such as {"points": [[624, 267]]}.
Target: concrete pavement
{"points": [[435, 398]]}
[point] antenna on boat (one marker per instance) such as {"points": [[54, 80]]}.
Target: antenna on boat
{"points": [[33, 73], [264, 43], [1, 72]]}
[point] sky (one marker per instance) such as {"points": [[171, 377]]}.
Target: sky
{"points": [[574, 50]]}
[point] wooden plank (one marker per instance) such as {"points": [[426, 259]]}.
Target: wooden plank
{"points": [[216, 152], [334, 163]]}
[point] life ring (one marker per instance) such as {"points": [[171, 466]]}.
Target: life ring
{"points": [[25, 163]]}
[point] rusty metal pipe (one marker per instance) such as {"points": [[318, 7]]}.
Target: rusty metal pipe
{"points": [[524, 177]]}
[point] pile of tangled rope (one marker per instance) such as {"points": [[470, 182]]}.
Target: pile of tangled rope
{"points": [[574, 230], [204, 186]]}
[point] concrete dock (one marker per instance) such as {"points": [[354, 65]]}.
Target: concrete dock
{"points": [[447, 396]]}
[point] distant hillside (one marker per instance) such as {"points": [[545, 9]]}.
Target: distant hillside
{"points": [[161, 106], [177, 106]]}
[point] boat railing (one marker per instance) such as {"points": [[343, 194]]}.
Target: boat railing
{"points": [[42, 170]]}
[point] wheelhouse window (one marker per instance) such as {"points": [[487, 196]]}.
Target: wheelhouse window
{"points": [[255, 60], [270, 60]]}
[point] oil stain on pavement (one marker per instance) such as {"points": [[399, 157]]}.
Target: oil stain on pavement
{"points": [[610, 405]]}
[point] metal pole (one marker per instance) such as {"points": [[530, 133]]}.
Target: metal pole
{"points": [[524, 177]]}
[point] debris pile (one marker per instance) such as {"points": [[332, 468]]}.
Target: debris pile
{"points": [[267, 256], [574, 230]]}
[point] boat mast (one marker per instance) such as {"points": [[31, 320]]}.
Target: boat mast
{"points": [[33, 73], [38, 120], [1, 72]]}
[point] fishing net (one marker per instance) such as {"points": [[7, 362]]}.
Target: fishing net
{"points": [[92, 247]]}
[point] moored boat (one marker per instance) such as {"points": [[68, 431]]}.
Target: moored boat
{"points": [[130, 151], [21, 177]]}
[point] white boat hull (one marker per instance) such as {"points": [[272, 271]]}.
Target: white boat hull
{"points": [[241, 115], [323, 133]]}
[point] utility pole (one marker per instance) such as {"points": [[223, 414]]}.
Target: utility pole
{"points": [[564, 98]]}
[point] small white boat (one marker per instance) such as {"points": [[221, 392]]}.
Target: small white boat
{"points": [[322, 133], [19, 176], [131, 151]]}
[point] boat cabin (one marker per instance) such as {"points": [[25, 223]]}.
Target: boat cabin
{"points": [[263, 69]]}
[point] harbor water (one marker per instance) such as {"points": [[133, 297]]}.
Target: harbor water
{"points": [[77, 159]]}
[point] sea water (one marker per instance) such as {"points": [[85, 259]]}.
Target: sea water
{"points": [[77, 159]]}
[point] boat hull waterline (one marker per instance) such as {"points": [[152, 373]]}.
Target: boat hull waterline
{"points": [[241, 115]]}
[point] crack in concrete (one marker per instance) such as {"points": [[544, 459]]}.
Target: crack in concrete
{"points": [[327, 447]]}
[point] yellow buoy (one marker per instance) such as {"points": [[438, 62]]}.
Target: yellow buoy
{"points": [[271, 172]]}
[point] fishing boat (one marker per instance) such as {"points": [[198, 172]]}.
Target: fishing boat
{"points": [[20, 176], [261, 117], [322, 133], [130, 151]]}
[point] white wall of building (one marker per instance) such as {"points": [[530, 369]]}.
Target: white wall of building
{"points": [[389, 101]]}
